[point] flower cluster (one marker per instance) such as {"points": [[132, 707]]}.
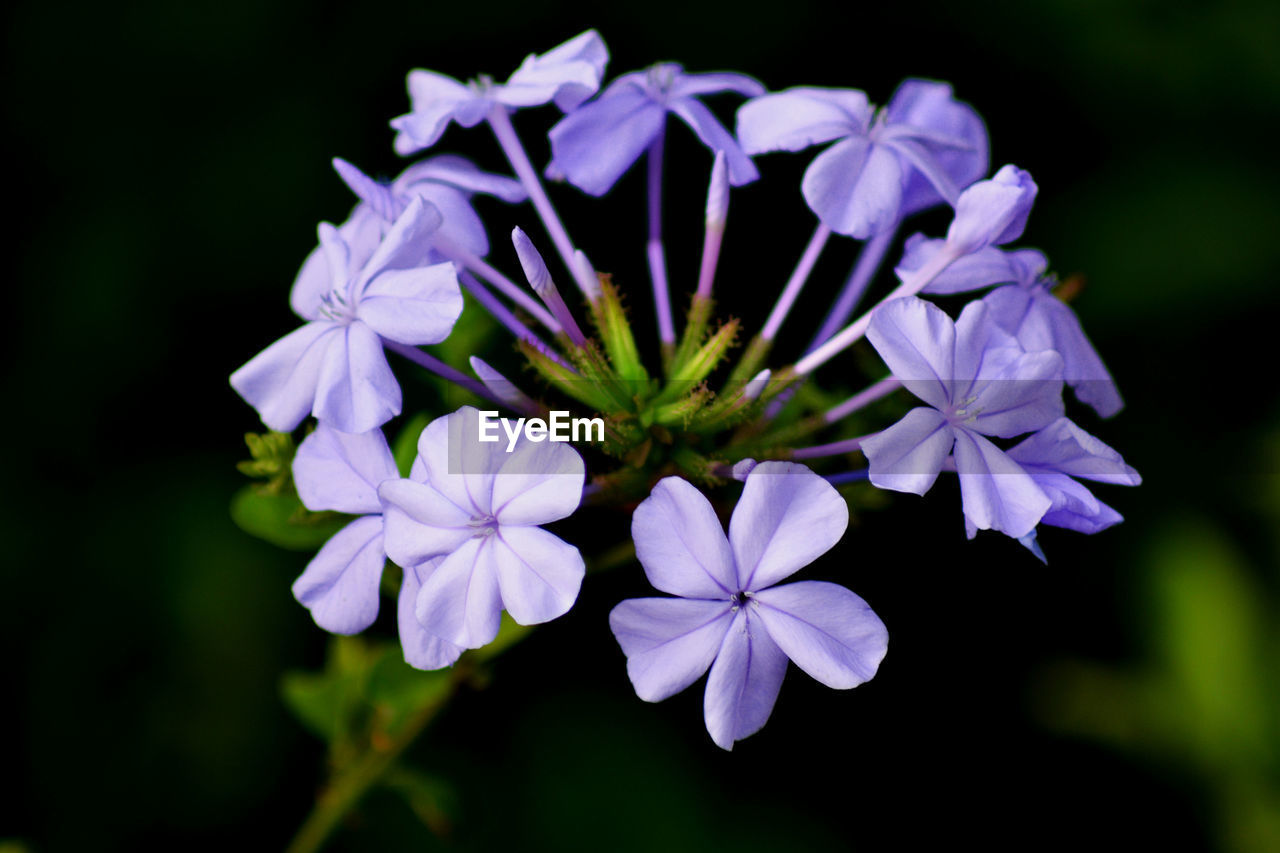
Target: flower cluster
{"points": [[464, 521]]}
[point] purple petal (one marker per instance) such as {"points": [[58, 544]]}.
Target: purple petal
{"points": [[356, 390], [794, 119], [997, 494], [595, 144], [414, 306], [405, 245], [460, 601], [435, 98], [669, 642], [458, 464], [826, 630], [992, 211], [1074, 506], [280, 382], [460, 173], [908, 456], [917, 341], [1063, 446], [714, 136], [340, 471], [855, 187], [460, 225], [787, 517], [690, 85], [362, 232], [680, 543], [986, 267], [539, 482], [421, 523], [378, 196], [744, 681], [421, 649], [340, 585], [539, 574], [569, 74], [930, 106]]}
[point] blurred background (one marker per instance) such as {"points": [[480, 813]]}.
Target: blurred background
{"points": [[171, 162]]}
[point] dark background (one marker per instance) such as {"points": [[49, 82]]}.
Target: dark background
{"points": [[171, 161]]}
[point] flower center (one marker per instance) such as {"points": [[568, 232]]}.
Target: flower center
{"points": [[334, 306], [740, 599], [964, 411], [661, 77], [483, 525]]}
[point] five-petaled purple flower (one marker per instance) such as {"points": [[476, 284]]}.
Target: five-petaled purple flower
{"points": [[334, 366], [978, 382], [922, 149], [568, 75], [445, 182], [593, 145], [729, 616], [467, 520], [339, 471]]}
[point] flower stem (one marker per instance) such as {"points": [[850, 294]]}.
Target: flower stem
{"points": [[864, 270], [349, 786], [796, 283], [657, 253], [500, 122]]}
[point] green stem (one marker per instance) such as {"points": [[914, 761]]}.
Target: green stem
{"points": [[348, 787]]}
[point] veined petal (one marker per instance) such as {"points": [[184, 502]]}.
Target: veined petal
{"points": [[593, 145], [787, 517], [986, 267], [855, 187], [460, 173], [1083, 369], [421, 523], [340, 585], [356, 390], [930, 107], [1074, 506], [669, 642], [917, 341], [680, 543], [280, 382], [458, 464], [908, 456], [796, 118], [1025, 396], [405, 245], [539, 574], [713, 135], [460, 600], [826, 630], [710, 83], [434, 99], [744, 681], [362, 232], [569, 73], [539, 482], [413, 306], [996, 493], [460, 225], [422, 650], [1063, 446], [341, 471]]}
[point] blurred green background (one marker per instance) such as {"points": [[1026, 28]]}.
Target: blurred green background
{"points": [[171, 161]]}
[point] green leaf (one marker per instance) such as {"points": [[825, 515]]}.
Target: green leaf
{"points": [[282, 520], [396, 690]]}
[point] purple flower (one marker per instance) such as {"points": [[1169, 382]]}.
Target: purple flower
{"points": [[334, 366], [568, 75], [1062, 451], [341, 472], [729, 616], [467, 519], [922, 149], [593, 145], [1027, 309], [446, 182], [978, 382]]}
